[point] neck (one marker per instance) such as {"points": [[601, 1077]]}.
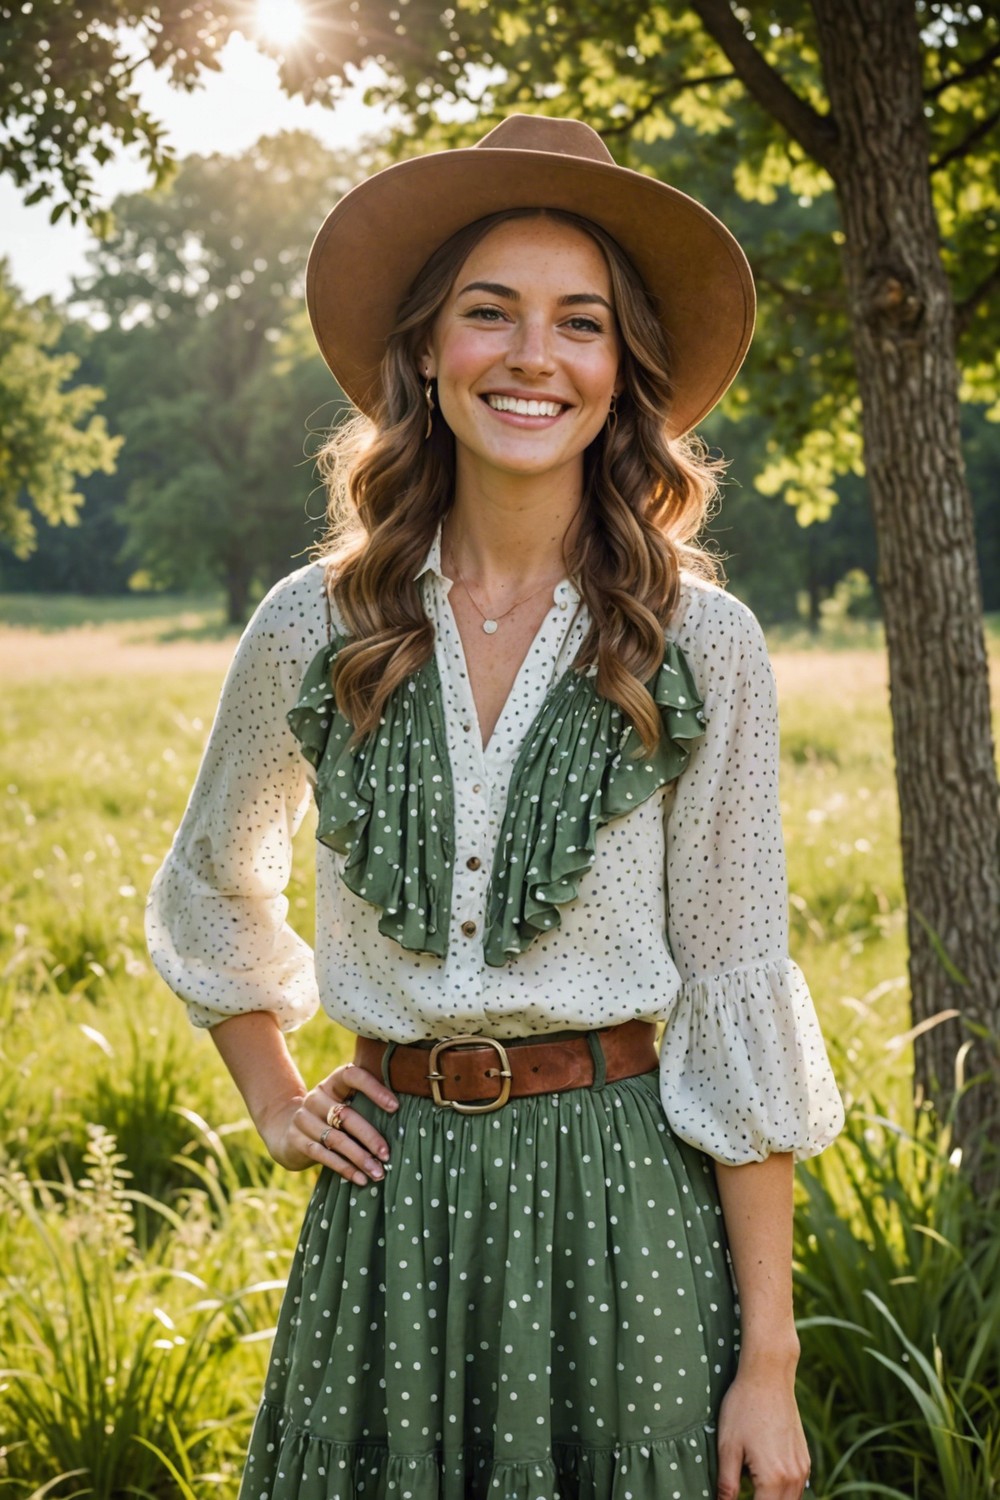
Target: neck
{"points": [[506, 535]]}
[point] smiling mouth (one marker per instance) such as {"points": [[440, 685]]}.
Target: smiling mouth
{"points": [[521, 407]]}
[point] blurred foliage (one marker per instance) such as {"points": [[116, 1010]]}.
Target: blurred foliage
{"points": [[650, 78], [195, 296], [68, 93], [48, 437]]}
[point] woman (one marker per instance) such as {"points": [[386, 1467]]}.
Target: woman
{"points": [[543, 750]]}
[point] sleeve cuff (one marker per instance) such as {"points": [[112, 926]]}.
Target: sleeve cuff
{"points": [[743, 1066], [264, 964]]}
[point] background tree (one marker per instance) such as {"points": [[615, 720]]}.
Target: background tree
{"points": [[209, 385], [48, 437]]}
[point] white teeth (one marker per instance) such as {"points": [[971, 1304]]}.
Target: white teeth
{"points": [[524, 408]]}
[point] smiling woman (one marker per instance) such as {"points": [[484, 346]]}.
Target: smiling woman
{"points": [[544, 751]]}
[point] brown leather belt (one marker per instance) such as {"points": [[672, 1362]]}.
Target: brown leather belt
{"points": [[475, 1074]]}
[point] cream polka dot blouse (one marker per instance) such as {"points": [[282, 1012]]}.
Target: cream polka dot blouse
{"points": [[679, 916]]}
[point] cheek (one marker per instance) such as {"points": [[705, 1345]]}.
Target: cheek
{"points": [[463, 357], [597, 377]]}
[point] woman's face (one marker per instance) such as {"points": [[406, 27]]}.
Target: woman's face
{"points": [[526, 351]]}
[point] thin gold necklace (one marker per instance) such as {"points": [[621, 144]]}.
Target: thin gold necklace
{"points": [[491, 622]]}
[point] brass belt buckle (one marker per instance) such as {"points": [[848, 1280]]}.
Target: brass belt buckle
{"points": [[436, 1078]]}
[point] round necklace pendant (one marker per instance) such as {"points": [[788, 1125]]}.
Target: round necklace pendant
{"points": [[490, 627]]}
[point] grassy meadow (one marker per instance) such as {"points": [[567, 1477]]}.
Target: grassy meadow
{"points": [[143, 1233]]}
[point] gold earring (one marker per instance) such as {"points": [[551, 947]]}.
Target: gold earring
{"points": [[429, 398], [613, 414]]}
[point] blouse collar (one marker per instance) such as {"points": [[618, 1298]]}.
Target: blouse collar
{"points": [[564, 592]]}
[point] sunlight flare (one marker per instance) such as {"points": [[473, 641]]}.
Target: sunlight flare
{"points": [[280, 21]]}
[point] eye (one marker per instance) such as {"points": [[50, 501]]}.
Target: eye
{"points": [[583, 324], [485, 314]]}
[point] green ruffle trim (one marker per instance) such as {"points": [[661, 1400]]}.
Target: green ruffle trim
{"points": [[387, 805], [291, 1463], [576, 771]]}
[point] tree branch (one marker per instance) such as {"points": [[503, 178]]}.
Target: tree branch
{"points": [[975, 134], [815, 133], [981, 65], [696, 83], [965, 310]]}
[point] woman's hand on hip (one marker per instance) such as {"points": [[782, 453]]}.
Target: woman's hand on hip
{"points": [[321, 1128], [760, 1430]]}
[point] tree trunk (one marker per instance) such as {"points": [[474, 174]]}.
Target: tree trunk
{"points": [[238, 575], [815, 618], [903, 329]]}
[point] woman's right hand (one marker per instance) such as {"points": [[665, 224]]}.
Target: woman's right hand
{"points": [[297, 1134]]}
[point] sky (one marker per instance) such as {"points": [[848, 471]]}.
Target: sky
{"points": [[233, 109]]}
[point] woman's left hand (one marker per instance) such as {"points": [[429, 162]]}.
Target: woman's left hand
{"points": [[760, 1430]]}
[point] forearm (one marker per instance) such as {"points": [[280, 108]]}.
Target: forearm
{"points": [[253, 1048], [757, 1208]]}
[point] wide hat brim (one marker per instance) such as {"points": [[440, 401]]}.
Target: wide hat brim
{"points": [[374, 242]]}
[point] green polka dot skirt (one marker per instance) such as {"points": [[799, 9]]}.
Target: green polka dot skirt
{"points": [[535, 1304]]}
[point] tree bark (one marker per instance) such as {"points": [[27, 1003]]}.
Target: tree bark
{"points": [[903, 326]]}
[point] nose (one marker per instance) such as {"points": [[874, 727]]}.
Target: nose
{"points": [[530, 348]]}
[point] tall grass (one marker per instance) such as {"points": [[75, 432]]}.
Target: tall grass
{"points": [[898, 1271], [122, 1372]]}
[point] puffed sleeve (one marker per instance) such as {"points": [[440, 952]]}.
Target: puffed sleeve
{"points": [[743, 1066], [216, 918]]}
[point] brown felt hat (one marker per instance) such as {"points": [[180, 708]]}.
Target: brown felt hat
{"points": [[371, 246]]}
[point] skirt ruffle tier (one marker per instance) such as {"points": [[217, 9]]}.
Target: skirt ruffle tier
{"points": [[535, 1304]]}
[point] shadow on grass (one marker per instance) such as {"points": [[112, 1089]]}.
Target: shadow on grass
{"points": [[213, 629], [162, 618]]}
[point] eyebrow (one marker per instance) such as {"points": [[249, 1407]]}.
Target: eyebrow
{"points": [[497, 289]]}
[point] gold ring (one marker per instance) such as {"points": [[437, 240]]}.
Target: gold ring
{"points": [[335, 1114]]}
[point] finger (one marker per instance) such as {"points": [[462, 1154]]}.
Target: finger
{"points": [[354, 1124], [350, 1079], [730, 1469], [326, 1144], [338, 1164]]}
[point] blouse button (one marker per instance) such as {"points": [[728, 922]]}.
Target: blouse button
{"points": [[473, 863], [466, 728], [469, 928], [476, 787]]}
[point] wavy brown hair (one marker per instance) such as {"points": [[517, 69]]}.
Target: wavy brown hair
{"points": [[646, 497]]}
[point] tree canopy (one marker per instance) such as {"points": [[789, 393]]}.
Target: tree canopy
{"points": [[653, 79], [208, 376], [68, 95], [48, 437]]}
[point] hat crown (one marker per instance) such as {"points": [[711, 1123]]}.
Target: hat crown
{"points": [[541, 133]]}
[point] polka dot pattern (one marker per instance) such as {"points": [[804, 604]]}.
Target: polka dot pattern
{"points": [[534, 1303], [680, 918]]}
